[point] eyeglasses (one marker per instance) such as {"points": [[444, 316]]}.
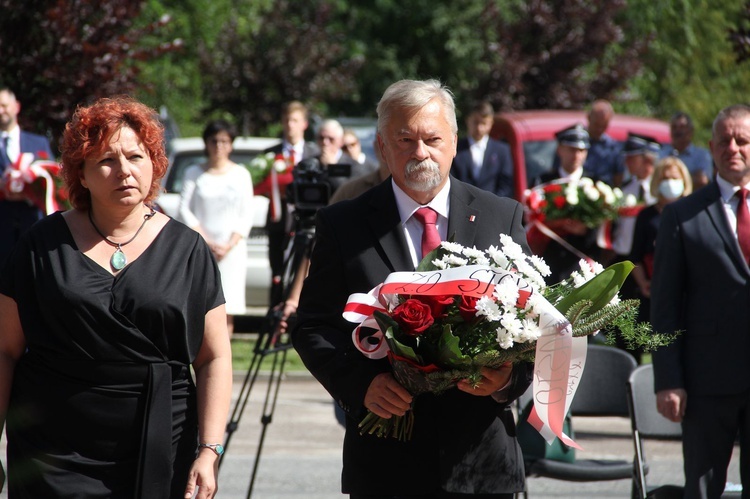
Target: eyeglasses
{"points": [[217, 142], [350, 144]]}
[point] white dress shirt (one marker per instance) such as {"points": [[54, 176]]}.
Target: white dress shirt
{"points": [[412, 227], [730, 201]]}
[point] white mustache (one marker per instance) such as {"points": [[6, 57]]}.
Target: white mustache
{"points": [[414, 166]]}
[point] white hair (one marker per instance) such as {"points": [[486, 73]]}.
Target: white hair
{"points": [[414, 95], [332, 126]]}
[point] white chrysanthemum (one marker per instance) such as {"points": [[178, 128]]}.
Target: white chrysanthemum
{"points": [[511, 248], [498, 257], [452, 247], [506, 292], [630, 200], [592, 193], [512, 325], [455, 261], [602, 187], [504, 338], [476, 256], [486, 307], [535, 305], [280, 165], [530, 332], [578, 279], [262, 160], [440, 263], [609, 198], [607, 192], [530, 274], [572, 198], [540, 265], [586, 182], [617, 192]]}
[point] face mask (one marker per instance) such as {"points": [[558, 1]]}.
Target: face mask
{"points": [[671, 188]]}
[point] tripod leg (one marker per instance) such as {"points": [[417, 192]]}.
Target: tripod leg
{"points": [[264, 342], [269, 406]]}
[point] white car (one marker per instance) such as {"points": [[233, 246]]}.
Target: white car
{"points": [[185, 152]]}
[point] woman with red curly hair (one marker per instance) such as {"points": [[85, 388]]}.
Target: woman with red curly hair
{"points": [[103, 310]]}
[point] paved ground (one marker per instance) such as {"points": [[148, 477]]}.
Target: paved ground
{"points": [[301, 457]]}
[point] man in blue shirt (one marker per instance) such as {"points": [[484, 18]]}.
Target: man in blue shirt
{"points": [[603, 161], [697, 159]]}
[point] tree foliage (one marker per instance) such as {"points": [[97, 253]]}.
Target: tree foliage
{"points": [[242, 59], [690, 65], [558, 54], [740, 36], [298, 51], [58, 54]]}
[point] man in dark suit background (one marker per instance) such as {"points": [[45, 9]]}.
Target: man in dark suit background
{"points": [[464, 440], [16, 213], [294, 148], [701, 286], [572, 149], [481, 160]]}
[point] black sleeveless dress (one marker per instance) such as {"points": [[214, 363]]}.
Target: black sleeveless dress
{"points": [[103, 403]]}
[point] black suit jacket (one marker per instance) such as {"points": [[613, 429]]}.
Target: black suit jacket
{"points": [[309, 150], [701, 285], [461, 443], [17, 216], [496, 174]]}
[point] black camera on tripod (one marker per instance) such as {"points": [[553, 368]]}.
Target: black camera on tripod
{"points": [[311, 189]]}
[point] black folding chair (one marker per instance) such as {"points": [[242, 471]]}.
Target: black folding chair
{"points": [[601, 393]]}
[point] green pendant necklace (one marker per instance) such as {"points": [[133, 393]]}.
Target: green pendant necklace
{"points": [[118, 260]]}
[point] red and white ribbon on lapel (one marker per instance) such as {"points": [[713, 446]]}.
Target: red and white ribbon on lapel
{"points": [[24, 171], [560, 358]]}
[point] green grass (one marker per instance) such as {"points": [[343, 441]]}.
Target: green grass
{"points": [[243, 350]]}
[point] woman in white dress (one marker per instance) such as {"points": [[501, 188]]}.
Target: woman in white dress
{"points": [[216, 201]]}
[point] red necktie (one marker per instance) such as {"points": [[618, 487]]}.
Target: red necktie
{"points": [[743, 223], [430, 235], [291, 157]]}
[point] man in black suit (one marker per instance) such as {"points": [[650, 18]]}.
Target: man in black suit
{"points": [[481, 160], [572, 148], [294, 148], [701, 286], [16, 213], [464, 440]]}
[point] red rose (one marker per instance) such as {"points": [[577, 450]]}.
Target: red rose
{"points": [[437, 304], [559, 202], [468, 308], [413, 316], [42, 155], [553, 188]]}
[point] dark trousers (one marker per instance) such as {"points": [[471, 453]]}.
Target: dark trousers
{"points": [[278, 240], [709, 430]]}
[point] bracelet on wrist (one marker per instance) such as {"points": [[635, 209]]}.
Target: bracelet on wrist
{"points": [[217, 448]]}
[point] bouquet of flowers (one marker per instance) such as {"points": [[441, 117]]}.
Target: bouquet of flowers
{"points": [[559, 208], [464, 309], [262, 165], [584, 200], [271, 174], [36, 181]]}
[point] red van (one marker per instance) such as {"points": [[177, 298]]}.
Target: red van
{"points": [[531, 136]]}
